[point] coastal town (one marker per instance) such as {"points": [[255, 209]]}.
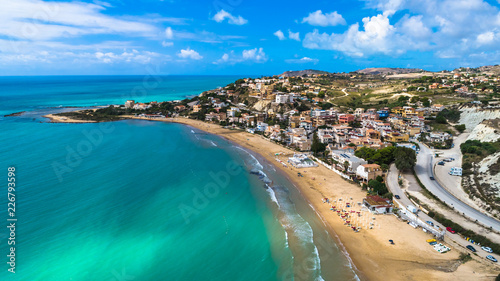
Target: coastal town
{"points": [[370, 127]]}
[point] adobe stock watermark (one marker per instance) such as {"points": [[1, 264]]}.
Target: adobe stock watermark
{"points": [[212, 189], [31, 27], [150, 82], [75, 154]]}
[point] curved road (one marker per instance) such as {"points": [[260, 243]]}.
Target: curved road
{"points": [[423, 169], [392, 184]]}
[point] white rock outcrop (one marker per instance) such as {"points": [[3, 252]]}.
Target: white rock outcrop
{"points": [[473, 116], [486, 176], [486, 131]]}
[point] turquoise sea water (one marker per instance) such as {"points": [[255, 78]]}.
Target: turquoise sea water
{"points": [[137, 200]]}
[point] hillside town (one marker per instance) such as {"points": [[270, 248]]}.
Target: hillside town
{"points": [[315, 112]]}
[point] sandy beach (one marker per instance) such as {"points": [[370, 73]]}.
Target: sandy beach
{"points": [[411, 258], [62, 119]]}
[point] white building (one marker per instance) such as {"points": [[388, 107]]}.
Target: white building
{"points": [[232, 112], [341, 157], [439, 136], [284, 98], [261, 126], [318, 113], [359, 111], [141, 106], [129, 103], [306, 124]]}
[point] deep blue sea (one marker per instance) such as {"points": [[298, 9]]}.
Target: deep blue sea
{"points": [[138, 200]]}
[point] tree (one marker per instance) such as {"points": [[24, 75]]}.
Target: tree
{"points": [[317, 146], [346, 165], [425, 102], [405, 158], [384, 167], [441, 119], [403, 99], [378, 187]]}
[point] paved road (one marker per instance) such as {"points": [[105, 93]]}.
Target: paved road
{"points": [[395, 189], [452, 184], [423, 169]]}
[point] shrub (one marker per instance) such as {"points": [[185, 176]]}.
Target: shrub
{"points": [[460, 128], [465, 257]]}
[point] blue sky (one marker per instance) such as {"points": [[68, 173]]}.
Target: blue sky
{"points": [[244, 37]]}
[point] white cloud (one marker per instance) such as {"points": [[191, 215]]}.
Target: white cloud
{"points": [[280, 35], [206, 37], [373, 39], [58, 54], [329, 19], [415, 27], [39, 20], [256, 55], [486, 38], [169, 34], [189, 54], [223, 15], [447, 28], [167, 44], [390, 7], [252, 55], [133, 56], [223, 59], [293, 36], [302, 60]]}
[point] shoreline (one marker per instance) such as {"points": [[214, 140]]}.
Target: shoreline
{"points": [[372, 257], [368, 251]]}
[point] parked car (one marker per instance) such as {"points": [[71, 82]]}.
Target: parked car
{"points": [[430, 223], [441, 163], [432, 178], [451, 230], [471, 248], [491, 258], [487, 249], [397, 197]]}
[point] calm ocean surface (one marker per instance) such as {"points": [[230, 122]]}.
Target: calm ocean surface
{"points": [[137, 200]]}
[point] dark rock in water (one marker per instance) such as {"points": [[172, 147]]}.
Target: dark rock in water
{"points": [[254, 172], [15, 114], [266, 180]]}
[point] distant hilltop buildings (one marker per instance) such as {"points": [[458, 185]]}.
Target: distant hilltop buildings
{"points": [[131, 104]]}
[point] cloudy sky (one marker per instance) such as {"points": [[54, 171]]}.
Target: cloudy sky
{"points": [[244, 37]]}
